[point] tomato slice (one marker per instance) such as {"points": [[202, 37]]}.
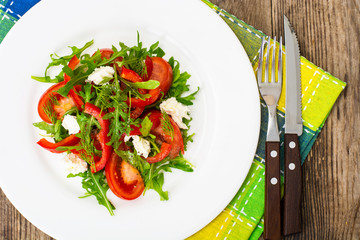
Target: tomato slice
{"points": [[163, 73], [176, 141], [106, 53], [123, 179], [61, 107]]}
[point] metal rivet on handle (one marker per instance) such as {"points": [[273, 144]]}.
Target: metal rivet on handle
{"points": [[292, 166], [273, 181], [292, 144], [273, 153]]}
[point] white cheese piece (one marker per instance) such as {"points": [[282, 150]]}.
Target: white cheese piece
{"points": [[69, 123], [74, 164], [176, 110], [141, 145], [100, 74]]}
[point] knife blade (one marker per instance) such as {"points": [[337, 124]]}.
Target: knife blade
{"points": [[293, 129]]}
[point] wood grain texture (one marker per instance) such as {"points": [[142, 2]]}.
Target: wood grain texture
{"points": [[329, 36], [272, 212], [291, 216]]}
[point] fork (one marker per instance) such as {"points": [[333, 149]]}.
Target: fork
{"points": [[270, 91]]}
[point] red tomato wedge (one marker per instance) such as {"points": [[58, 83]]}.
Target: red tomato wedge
{"points": [[162, 72], [176, 141], [61, 106], [106, 53], [123, 179]]}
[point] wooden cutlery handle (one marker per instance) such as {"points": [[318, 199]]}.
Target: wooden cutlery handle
{"points": [[292, 185], [272, 192]]}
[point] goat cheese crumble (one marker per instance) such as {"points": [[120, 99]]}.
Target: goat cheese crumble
{"points": [[70, 123], [100, 74], [176, 110], [141, 145], [74, 164]]}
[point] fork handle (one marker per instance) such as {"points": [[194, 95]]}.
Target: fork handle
{"points": [[292, 185], [272, 191]]}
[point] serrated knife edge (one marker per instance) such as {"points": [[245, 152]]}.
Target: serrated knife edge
{"points": [[293, 118]]}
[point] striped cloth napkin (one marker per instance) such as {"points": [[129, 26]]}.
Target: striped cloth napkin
{"points": [[243, 217]]}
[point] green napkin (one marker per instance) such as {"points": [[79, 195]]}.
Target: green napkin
{"points": [[243, 217]]}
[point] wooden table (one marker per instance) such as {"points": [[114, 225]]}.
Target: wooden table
{"points": [[329, 36]]}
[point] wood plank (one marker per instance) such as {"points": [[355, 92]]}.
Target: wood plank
{"points": [[328, 33]]}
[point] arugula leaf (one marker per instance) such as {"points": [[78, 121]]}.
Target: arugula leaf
{"points": [[57, 61], [180, 85], [78, 78], [146, 125], [47, 79], [134, 90], [86, 93], [49, 128], [188, 100], [154, 179], [150, 84], [95, 185], [157, 185]]}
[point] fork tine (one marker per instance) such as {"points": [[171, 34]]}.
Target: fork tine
{"points": [[267, 61], [273, 65], [280, 61], [260, 62]]}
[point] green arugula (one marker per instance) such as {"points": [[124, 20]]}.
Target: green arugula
{"points": [[180, 85], [95, 185], [49, 128], [154, 178], [64, 60], [146, 125], [150, 84]]}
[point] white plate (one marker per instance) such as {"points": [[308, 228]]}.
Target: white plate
{"points": [[226, 117]]}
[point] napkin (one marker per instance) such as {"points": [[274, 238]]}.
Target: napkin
{"points": [[243, 217]]}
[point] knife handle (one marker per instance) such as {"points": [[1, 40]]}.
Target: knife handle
{"points": [[272, 216], [292, 185]]}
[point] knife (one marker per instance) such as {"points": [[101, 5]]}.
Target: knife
{"points": [[293, 129]]}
